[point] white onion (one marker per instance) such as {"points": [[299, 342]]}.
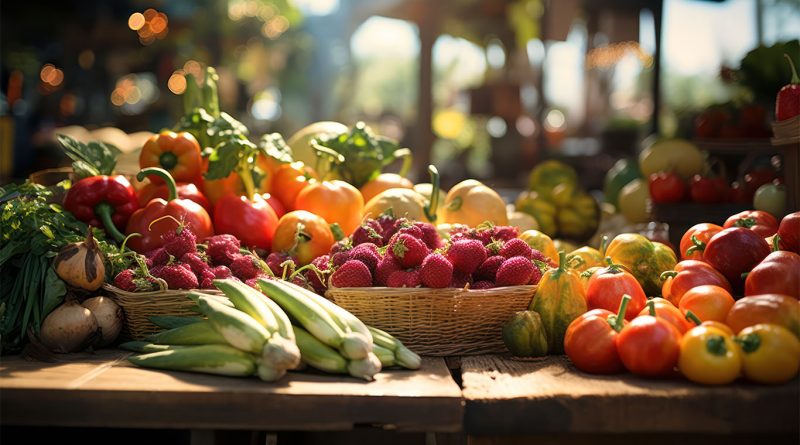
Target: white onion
{"points": [[69, 328], [109, 318]]}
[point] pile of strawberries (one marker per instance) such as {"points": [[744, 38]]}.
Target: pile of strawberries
{"points": [[389, 252], [182, 263]]}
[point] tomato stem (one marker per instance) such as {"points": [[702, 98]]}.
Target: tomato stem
{"points": [[617, 320], [776, 243], [698, 246], [668, 274], [716, 345], [651, 307], [693, 318]]}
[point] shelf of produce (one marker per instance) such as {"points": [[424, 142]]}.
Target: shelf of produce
{"points": [[103, 389], [549, 396]]}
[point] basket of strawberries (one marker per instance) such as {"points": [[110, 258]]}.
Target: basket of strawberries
{"points": [[441, 294]]}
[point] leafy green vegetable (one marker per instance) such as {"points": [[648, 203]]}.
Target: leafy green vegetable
{"points": [[92, 159], [363, 154], [273, 146]]}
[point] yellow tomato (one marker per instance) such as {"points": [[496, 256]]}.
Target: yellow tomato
{"points": [[404, 203], [540, 242], [472, 203], [771, 353], [709, 356]]}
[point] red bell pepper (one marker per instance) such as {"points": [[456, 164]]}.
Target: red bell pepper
{"points": [[591, 340], [758, 221], [608, 285], [649, 346], [694, 241], [734, 251], [688, 274], [787, 104], [186, 190], [189, 212], [103, 201], [789, 233], [779, 273]]}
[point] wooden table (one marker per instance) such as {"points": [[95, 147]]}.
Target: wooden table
{"points": [[549, 396], [103, 388]]}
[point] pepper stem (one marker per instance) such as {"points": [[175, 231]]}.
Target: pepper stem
{"points": [[693, 318], [617, 321], [697, 246], [104, 210], [651, 307], [667, 274], [407, 157], [433, 204], [172, 188], [716, 345], [776, 240], [795, 77]]}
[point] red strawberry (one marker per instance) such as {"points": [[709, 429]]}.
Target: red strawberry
{"points": [[274, 261], [180, 242], [505, 233], [124, 280], [430, 235], [516, 247], [177, 277], [196, 263], [368, 232], [408, 250], [482, 285], [157, 257], [368, 254], [245, 267], [341, 246], [436, 271], [466, 255], [515, 271], [386, 267], [318, 280], [488, 269], [206, 279], [387, 224], [352, 274], [340, 257], [222, 249], [460, 279], [404, 278], [301, 281], [222, 272], [536, 276]]}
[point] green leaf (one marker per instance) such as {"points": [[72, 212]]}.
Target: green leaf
{"points": [[226, 157], [54, 292], [92, 159], [273, 146]]}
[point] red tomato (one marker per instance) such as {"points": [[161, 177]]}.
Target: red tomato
{"points": [[779, 273], [302, 235], [758, 221], [789, 232], [649, 346], [289, 180], [186, 190], [667, 311], [667, 187], [707, 302], [275, 203], [591, 342], [252, 221], [607, 286], [702, 233], [689, 274], [734, 251], [708, 190]]}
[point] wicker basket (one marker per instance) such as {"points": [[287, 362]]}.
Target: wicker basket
{"points": [[439, 322], [139, 306]]}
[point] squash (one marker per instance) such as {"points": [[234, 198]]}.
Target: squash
{"points": [[548, 175], [472, 203], [589, 257], [524, 336], [767, 308], [559, 299], [541, 242], [644, 258], [404, 203]]}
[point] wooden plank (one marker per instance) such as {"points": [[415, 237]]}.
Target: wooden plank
{"points": [[548, 395], [104, 389]]}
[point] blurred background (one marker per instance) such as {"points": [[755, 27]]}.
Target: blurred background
{"points": [[482, 88]]}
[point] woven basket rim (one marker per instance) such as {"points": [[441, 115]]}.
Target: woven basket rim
{"points": [[428, 290], [167, 292]]}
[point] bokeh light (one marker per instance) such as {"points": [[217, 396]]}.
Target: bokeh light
{"points": [[177, 82], [136, 21]]}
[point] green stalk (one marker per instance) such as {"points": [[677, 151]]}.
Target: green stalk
{"points": [[795, 77], [104, 210], [172, 188], [693, 318], [617, 321], [433, 205]]}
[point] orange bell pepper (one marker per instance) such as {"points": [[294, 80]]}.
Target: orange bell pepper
{"points": [[336, 201], [178, 153]]}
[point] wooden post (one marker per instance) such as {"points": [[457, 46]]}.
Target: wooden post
{"points": [[429, 25], [658, 16]]}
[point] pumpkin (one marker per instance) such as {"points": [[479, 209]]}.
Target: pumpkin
{"points": [[644, 258], [559, 299], [524, 336]]}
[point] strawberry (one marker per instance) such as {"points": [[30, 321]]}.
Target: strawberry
{"points": [[515, 271], [222, 272], [387, 225], [318, 280], [466, 255], [536, 276], [300, 280], [196, 263], [368, 254], [157, 257], [436, 271], [340, 257], [245, 267], [386, 267], [516, 247], [482, 285], [180, 242], [368, 232], [430, 235], [408, 250], [274, 261], [460, 279], [177, 277], [504, 233], [341, 246], [222, 248], [352, 274], [488, 269], [411, 229], [404, 278], [124, 280], [206, 279]]}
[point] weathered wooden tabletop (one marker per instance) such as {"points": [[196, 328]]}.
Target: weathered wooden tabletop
{"points": [[505, 395], [103, 389]]}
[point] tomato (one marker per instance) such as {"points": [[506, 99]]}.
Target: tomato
{"points": [[708, 190], [649, 346], [708, 302], [336, 201], [758, 221], [779, 273], [186, 190], [667, 311], [771, 354], [252, 221], [709, 356], [734, 251], [689, 274], [667, 187], [289, 180], [382, 182], [770, 198], [767, 308], [789, 232], [608, 285], [591, 341], [302, 235], [693, 242], [215, 189]]}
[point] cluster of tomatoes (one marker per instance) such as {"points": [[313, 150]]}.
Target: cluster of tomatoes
{"points": [[697, 326], [669, 187]]}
